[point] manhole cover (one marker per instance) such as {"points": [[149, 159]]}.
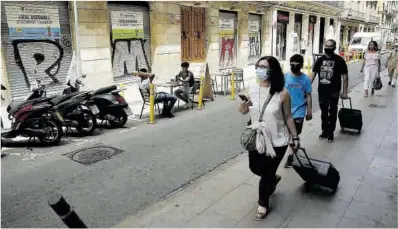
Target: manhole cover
{"points": [[377, 106], [90, 155]]}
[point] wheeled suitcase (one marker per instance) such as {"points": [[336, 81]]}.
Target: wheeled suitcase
{"points": [[315, 172], [350, 118]]}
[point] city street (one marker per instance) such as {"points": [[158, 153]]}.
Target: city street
{"points": [[156, 161]]}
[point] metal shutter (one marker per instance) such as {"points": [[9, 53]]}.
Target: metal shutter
{"points": [[254, 37], [20, 63], [130, 54], [228, 61]]}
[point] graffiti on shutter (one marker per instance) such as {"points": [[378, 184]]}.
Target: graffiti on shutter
{"points": [[40, 49], [130, 39]]}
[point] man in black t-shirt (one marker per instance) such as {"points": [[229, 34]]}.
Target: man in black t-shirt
{"points": [[330, 68]]}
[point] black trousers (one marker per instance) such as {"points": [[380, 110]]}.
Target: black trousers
{"points": [[265, 167], [328, 104]]}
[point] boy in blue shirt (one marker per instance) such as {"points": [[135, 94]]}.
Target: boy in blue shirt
{"points": [[299, 86]]}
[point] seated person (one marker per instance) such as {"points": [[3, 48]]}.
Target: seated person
{"points": [[188, 79], [160, 97]]}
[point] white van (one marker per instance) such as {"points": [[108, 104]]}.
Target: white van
{"points": [[360, 41]]}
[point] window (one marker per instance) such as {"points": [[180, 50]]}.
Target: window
{"points": [[193, 25]]}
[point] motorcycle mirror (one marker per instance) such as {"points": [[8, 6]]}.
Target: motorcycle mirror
{"points": [[83, 76]]}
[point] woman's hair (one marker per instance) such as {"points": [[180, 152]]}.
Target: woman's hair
{"points": [[276, 77], [375, 44]]}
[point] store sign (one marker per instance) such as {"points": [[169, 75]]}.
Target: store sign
{"points": [[283, 17], [226, 27], [127, 24], [32, 22], [254, 26]]}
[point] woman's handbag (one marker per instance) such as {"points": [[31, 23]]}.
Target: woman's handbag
{"points": [[377, 84], [249, 135]]}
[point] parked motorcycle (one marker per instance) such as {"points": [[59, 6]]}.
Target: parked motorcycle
{"points": [[70, 106], [35, 118], [112, 107]]}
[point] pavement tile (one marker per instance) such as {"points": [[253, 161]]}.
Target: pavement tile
{"points": [[377, 198], [323, 220], [180, 211], [382, 171], [237, 203], [388, 219], [363, 211], [384, 184], [210, 219], [316, 206], [355, 223]]}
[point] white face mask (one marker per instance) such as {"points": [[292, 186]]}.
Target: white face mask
{"points": [[262, 73]]}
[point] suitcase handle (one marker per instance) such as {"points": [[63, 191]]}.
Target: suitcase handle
{"points": [[342, 102], [305, 153]]}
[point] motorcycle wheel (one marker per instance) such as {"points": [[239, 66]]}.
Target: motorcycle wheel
{"points": [[119, 121], [54, 132], [91, 121]]}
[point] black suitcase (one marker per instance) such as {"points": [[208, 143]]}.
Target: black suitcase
{"points": [[350, 118], [315, 172]]}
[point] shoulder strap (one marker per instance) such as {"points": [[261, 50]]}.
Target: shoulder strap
{"points": [[265, 106]]}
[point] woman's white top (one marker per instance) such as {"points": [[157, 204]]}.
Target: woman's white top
{"points": [[372, 59], [273, 117]]}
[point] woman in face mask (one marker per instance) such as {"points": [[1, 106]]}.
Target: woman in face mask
{"points": [[372, 67], [277, 122]]}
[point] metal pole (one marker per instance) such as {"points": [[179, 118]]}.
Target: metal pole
{"points": [[78, 60], [65, 212]]}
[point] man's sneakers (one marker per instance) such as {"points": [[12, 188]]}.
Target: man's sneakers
{"points": [[323, 136], [329, 137], [289, 161]]}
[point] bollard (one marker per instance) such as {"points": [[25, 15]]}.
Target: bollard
{"points": [[65, 212], [200, 98], [308, 66], [122, 89], [151, 104], [232, 86]]}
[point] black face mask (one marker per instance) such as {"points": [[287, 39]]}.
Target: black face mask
{"points": [[329, 51], [295, 68]]}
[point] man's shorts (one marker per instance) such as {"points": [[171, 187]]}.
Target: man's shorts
{"points": [[299, 125]]}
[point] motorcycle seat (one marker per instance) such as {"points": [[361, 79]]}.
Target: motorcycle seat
{"points": [[104, 90], [14, 106], [59, 99]]}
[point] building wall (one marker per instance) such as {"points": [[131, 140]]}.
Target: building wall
{"points": [[4, 80], [95, 47]]}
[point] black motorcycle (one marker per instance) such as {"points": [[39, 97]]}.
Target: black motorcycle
{"points": [[35, 118], [72, 108], [112, 107]]}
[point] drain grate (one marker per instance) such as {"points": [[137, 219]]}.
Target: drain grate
{"points": [[93, 154], [377, 106]]}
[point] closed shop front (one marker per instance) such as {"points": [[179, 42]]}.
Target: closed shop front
{"points": [[311, 34], [130, 38], [254, 37], [228, 39], [281, 36], [37, 45]]}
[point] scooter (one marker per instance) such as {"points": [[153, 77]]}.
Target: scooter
{"points": [[35, 118], [112, 107], [70, 106]]}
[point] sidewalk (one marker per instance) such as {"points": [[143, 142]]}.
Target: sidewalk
{"points": [[367, 194]]}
